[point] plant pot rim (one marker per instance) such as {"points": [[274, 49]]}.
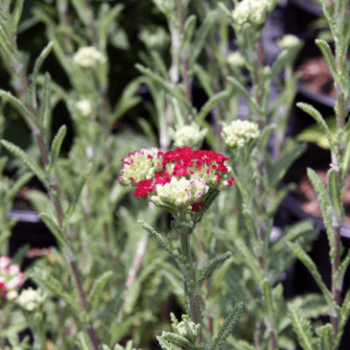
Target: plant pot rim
{"points": [[308, 6], [24, 215], [291, 204]]}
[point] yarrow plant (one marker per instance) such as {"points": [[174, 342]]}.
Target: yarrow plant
{"points": [[11, 279], [178, 179], [183, 181]]}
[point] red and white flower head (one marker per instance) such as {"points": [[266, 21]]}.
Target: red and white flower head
{"points": [[177, 179], [11, 279]]}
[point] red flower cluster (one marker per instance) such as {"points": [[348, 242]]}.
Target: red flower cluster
{"points": [[208, 166]]}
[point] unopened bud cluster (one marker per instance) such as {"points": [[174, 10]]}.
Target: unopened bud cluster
{"points": [[175, 180], [188, 136], [254, 12], [236, 60], [239, 133], [88, 57], [30, 299], [289, 41], [11, 279], [154, 39], [84, 107]]}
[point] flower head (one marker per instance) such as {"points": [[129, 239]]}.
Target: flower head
{"points": [[236, 60], [30, 299], [188, 136], [84, 107], [140, 166], [177, 179], [289, 41], [11, 278], [88, 57], [239, 133], [254, 12], [179, 193]]}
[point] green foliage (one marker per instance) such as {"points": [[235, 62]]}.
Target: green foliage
{"points": [[34, 167], [98, 287], [227, 327], [302, 328]]}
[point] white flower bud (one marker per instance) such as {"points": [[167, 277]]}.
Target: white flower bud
{"points": [[188, 136], [84, 107], [235, 59], [179, 192], [289, 41], [239, 133], [30, 299], [88, 57]]}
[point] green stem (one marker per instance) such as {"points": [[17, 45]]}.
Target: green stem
{"points": [[191, 282]]}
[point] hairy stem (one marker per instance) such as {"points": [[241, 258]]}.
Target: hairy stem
{"points": [[191, 282]]}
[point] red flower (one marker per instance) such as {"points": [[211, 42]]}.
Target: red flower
{"points": [[143, 188], [180, 170], [197, 206], [3, 291], [162, 178]]}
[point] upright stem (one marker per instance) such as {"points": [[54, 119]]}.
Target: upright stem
{"points": [[191, 283]]}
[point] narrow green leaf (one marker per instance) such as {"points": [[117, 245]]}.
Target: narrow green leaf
{"points": [[85, 344], [45, 107], [225, 9], [52, 284], [16, 15], [56, 145], [325, 205], [204, 78], [335, 193], [310, 265], [302, 327], [38, 63], [189, 29], [30, 118], [166, 85], [201, 34], [177, 339], [78, 190], [279, 169], [268, 297], [291, 233], [338, 278], [325, 339], [97, 287], [265, 135], [147, 130], [18, 185], [343, 317], [345, 164], [227, 327], [54, 227], [209, 105], [104, 23], [250, 260], [328, 55], [35, 168], [322, 124], [212, 265], [245, 93], [250, 222]]}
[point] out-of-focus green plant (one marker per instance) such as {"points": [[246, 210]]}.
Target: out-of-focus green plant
{"points": [[107, 282]]}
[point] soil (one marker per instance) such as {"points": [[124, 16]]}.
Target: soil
{"points": [[316, 77], [308, 199]]}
